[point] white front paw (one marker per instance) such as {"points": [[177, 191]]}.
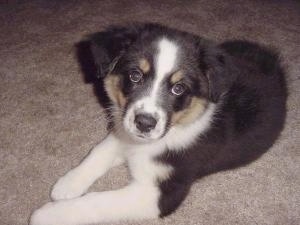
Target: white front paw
{"points": [[71, 185], [44, 215]]}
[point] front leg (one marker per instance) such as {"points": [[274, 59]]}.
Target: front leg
{"points": [[78, 180], [136, 201]]}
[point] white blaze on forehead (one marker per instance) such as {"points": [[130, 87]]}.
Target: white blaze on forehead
{"points": [[164, 64], [165, 61], [166, 57]]}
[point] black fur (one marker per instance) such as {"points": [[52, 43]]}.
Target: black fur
{"points": [[244, 79]]}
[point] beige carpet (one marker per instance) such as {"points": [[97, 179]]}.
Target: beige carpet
{"points": [[50, 117]]}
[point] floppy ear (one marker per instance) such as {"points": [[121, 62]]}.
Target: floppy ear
{"points": [[108, 46], [217, 67]]}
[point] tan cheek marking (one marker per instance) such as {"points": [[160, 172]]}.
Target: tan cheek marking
{"points": [[113, 90], [144, 65], [176, 77], [196, 107], [121, 99]]}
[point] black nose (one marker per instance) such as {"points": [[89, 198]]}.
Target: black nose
{"points": [[145, 122]]}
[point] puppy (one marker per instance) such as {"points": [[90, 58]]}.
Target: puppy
{"points": [[183, 107]]}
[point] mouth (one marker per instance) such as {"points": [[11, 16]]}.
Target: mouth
{"points": [[141, 137]]}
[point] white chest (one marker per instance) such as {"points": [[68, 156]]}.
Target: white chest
{"points": [[144, 166]]}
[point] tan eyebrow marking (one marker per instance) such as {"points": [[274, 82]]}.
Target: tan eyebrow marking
{"points": [[177, 76], [144, 65]]}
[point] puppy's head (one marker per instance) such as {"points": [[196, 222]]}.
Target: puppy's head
{"points": [[157, 77]]}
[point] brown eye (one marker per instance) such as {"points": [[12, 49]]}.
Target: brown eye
{"points": [[178, 89], [135, 76]]}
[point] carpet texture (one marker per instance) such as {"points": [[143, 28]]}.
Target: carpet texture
{"points": [[50, 117]]}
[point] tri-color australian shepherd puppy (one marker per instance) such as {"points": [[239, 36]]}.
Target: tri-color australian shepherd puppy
{"points": [[183, 107]]}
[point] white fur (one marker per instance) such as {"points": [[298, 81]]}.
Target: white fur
{"points": [[77, 181], [165, 62], [136, 201], [143, 167]]}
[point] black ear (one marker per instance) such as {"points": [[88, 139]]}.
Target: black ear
{"points": [[217, 66], [108, 46]]}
